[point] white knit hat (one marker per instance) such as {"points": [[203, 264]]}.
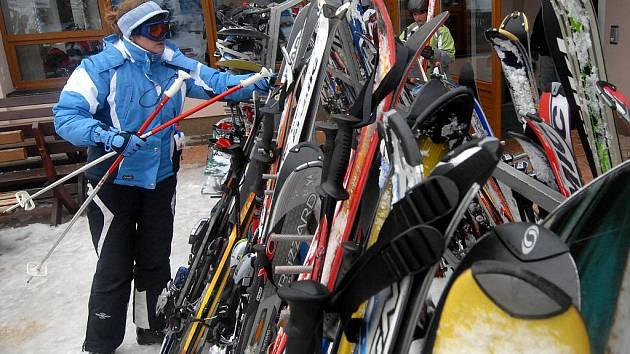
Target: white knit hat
{"points": [[134, 18]]}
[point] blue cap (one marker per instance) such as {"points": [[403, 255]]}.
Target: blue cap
{"points": [[134, 18]]}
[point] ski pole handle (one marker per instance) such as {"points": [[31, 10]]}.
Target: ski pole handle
{"points": [[177, 84], [175, 87], [330, 132], [333, 185], [264, 73], [268, 126], [307, 300]]}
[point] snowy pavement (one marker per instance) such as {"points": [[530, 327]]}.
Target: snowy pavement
{"points": [[49, 314]]}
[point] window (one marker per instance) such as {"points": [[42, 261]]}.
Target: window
{"points": [[43, 16], [254, 20], [189, 31], [45, 40], [468, 21], [53, 60]]}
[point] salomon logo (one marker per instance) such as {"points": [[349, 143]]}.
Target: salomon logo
{"points": [[102, 315], [529, 239]]}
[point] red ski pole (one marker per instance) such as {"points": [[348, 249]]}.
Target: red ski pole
{"points": [[26, 201], [35, 269], [264, 73]]}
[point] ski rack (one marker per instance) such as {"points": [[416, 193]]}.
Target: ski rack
{"points": [[275, 11], [528, 187]]}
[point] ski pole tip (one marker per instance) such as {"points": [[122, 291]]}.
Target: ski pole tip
{"points": [[35, 269]]}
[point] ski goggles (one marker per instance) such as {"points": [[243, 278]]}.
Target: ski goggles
{"points": [[157, 30]]}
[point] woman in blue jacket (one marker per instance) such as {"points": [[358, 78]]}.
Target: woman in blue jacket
{"points": [[106, 99]]}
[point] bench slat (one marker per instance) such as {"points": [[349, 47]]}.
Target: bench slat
{"points": [[13, 154], [11, 137], [36, 175], [55, 146], [41, 98], [26, 113]]}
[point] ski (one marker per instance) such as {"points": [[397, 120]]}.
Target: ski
{"points": [[554, 110], [577, 53], [518, 24], [517, 69], [296, 213]]}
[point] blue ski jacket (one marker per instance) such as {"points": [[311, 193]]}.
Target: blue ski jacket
{"points": [[120, 87]]}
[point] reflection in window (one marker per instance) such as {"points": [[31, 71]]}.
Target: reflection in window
{"points": [[52, 60], [189, 28], [189, 31], [43, 16], [468, 20], [405, 16]]}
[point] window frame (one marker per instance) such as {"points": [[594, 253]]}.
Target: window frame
{"points": [[11, 41]]}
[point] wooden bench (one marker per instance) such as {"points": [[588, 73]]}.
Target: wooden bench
{"points": [[32, 155]]}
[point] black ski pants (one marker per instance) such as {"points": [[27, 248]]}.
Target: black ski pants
{"points": [[131, 229]]}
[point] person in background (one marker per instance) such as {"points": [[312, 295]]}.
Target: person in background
{"points": [[442, 45], [105, 101]]}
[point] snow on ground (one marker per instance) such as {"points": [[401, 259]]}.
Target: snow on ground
{"points": [[49, 314]]}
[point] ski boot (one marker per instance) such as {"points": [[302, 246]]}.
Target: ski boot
{"points": [[149, 336]]}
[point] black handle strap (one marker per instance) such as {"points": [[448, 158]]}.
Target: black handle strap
{"points": [[263, 154], [258, 115], [238, 160], [431, 202], [351, 251], [368, 98], [257, 168], [407, 140], [386, 262]]}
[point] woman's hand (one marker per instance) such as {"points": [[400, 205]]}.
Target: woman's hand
{"points": [[123, 143], [265, 85]]}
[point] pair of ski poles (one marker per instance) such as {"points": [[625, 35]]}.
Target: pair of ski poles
{"points": [[38, 269]]}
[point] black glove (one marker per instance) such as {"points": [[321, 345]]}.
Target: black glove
{"points": [[427, 52], [123, 143], [127, 144]]}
